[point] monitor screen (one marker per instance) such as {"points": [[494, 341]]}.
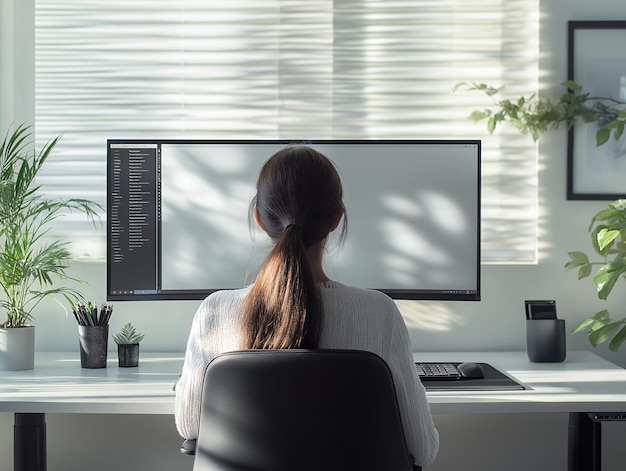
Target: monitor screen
{"points": [[178, 217]]}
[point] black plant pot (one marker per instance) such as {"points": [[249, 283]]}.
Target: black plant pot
{"points": [[128, 354]]}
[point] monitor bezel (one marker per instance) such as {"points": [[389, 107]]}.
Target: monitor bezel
{"points": [[398, 294]]}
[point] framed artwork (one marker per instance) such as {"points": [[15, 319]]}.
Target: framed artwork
{"points": [[597, 62]]}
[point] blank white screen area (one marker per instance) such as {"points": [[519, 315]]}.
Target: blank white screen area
{"points": [[412, 209]]}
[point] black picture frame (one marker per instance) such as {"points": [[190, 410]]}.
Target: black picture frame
{"points": [[596, 61]]}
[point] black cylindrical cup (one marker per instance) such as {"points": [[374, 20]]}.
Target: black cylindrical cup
{"points": [[93, 341], [545, 340]]}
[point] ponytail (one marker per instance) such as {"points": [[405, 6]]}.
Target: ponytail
{"points": [[283, 308], [298, 202]]}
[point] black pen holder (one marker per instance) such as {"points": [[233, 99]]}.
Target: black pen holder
{"points": [[94, 344], [545, 340]]}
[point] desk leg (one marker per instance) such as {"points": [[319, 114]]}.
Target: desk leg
{"points": [[585, 442], [29, 442]]}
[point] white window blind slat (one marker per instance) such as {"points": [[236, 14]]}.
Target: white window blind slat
{"points": [[320, 69]]}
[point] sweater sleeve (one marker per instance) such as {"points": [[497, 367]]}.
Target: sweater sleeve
{"points": [[214, 330], [421, 435], [189, 385]]}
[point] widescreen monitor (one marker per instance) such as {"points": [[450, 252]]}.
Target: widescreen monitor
{"points": [[178, 217]]}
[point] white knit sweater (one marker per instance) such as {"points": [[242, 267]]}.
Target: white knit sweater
{"points": [[354, 318]]}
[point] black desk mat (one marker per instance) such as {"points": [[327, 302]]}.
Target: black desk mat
{"points": [[493, 380]]}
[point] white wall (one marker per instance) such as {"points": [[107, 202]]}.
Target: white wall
{"points": [[497, 442]]}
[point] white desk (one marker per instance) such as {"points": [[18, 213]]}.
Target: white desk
{"points": [[584, 383], [58, 384], [590, 389]]}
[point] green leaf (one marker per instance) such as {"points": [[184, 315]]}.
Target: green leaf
{"points": [[459, 85], [576, 259], [479, 86], [605, 237], [584, 271], [602, 315], [581, 261], [602, 136], [571, 85], [489, 90], [594, 238], [584, 325], [603, 215], [594, 322], [607, 275], [477, 115], [604, 333], [619, 338]]}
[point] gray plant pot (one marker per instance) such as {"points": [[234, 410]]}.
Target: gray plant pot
{"points": [[18, 348]]}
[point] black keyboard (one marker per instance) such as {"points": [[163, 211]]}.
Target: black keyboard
{"points": [[437, 371]]}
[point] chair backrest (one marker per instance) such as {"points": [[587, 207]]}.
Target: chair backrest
{"points": [[288, 410]]}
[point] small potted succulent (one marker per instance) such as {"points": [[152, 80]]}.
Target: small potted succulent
{"points": [[127, 340]]}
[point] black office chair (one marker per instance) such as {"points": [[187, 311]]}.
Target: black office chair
{"points": [[288, 410]]}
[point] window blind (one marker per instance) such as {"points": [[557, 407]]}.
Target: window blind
{"points": [[288, 69]]}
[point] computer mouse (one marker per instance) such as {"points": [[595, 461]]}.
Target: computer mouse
{"points": [[471, 370]]}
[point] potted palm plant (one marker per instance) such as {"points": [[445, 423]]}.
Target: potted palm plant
{"points": [[29, 264]]}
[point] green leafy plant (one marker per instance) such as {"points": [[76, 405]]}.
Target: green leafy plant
{"points": [[128, 335], [608, 238], [29, 265], [536, 115]]}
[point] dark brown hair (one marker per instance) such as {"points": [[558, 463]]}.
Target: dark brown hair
{"points": [[298, 201]]}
